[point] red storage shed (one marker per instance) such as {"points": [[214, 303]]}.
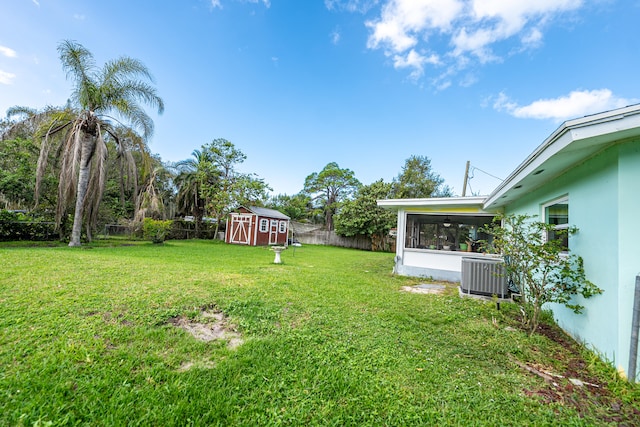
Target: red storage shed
{"points": [[257, 227]]}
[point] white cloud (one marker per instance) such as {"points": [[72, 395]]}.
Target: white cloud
{"points": [[218, 3], [8, 52], [335, 36], [36, 2], [443, 84], [476, 42], [461, 29], [267, 3], [6, 78], [403, 21], [78, 17], [576, 104], [469, 80], [414, 60], [497, 20], [361, 6], [532, 39]]}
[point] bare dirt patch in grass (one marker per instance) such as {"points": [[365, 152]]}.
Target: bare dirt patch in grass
{"points": [[186, 366], [426, 288], [213, 327], [571, 386]]}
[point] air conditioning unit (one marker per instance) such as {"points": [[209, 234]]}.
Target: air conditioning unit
{"points": [[484, 276]]}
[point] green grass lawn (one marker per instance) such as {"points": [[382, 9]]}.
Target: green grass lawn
{"points": [[87, 337]]}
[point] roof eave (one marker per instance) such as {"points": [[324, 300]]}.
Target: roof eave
{"points": [[444, 202], [566, 134]]}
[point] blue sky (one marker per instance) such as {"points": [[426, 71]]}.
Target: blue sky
{"points": [[296, 84]]}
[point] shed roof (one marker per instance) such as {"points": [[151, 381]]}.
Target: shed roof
{"points": [[271, 213]]}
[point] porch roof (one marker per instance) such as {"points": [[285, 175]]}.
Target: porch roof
{"points": [[438, 204]]}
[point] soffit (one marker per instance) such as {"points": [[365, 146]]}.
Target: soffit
{"points": [[570, 145]]}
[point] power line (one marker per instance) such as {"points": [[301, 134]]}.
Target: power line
{"points": [[469, 175], [473, 168]]}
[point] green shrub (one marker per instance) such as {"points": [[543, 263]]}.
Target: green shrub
{"points": [[24, 226], [541, 267], [155, 230]]}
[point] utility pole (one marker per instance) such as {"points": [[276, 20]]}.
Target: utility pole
{"points": [[466, 178]]}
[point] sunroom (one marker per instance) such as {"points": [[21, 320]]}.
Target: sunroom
{"points": [[435, 234]]}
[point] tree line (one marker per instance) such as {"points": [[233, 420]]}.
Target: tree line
{"points": [[87, 163]]}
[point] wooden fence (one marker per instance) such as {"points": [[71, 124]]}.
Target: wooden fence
{"points": [[313, 234], [330, 238]]}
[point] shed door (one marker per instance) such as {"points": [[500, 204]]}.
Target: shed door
{"points": [[241, 229], [273, 232]]}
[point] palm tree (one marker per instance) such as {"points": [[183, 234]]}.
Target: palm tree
{"points": [[150, 202], [116, 88], [134, 163], [189, 178]]}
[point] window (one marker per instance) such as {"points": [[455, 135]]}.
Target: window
{"points": [[446, 232], [264, 225], [556, 213], [283, 226]]}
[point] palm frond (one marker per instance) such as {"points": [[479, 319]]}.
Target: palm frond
{"points": [[150, 203], [96, 181], [21, 111], [59, 120], [78, 63], [69, 166], [41, 166], [138, 91], [126, 142], [124, 67]]}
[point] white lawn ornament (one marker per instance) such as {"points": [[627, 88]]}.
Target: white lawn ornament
{"points": [[277, 250]]}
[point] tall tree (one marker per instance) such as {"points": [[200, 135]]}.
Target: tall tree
{"points": [[231, 188], [418, 180], [100, 94], [363, 217], [296, 207], [329, 187], [17, 172]]}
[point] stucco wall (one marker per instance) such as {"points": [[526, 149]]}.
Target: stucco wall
{"points": [[628, 247], [439, 265], [602, 195]]}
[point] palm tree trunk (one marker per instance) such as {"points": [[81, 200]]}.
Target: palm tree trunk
{"points": [[122, 185], [197, 215], [88, 146]]}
